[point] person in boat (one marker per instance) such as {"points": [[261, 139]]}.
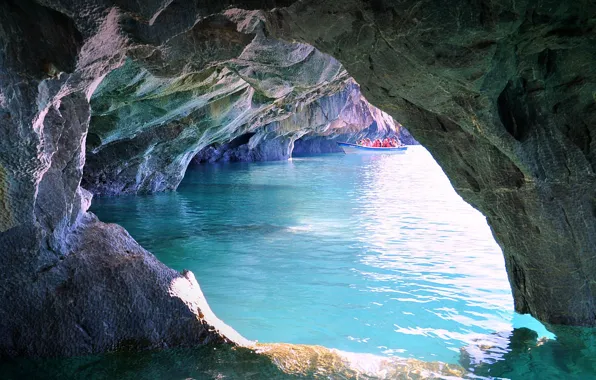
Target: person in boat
{"points": [[376, 144], [394, 142], [386, 143]]}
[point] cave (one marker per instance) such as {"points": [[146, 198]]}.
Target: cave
{"points": [[118, 97]]}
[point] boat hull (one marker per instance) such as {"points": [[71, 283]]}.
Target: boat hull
{"points": [[359, 149]]}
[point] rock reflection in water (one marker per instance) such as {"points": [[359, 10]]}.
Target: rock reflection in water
{"points": [[570, 356], [526, 357], [265, 361]]}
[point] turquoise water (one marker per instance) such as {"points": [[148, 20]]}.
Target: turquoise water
{"points": [[371, 254]]}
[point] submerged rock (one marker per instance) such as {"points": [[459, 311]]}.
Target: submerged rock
{"points": [[324, 363], [527, 355], [263, 361]]}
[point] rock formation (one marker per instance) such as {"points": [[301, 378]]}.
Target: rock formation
{"points": [[340, 115], [145, 129], [70, 284], [314, 143], [501, 93]]}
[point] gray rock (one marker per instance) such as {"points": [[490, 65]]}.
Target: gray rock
{"points": [[106, 294], [72, 285]]}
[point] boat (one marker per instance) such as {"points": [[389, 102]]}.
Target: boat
{"points": [[361, 149]]}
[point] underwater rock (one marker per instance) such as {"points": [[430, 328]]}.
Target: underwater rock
{"points": [[263, 361], [324, 363], [527, 355]]}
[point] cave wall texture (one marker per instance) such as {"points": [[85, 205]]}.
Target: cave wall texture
{"points": [[121, 94], [343, 115]]}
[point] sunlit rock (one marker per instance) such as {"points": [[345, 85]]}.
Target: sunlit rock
{"points": [[341, 115]]}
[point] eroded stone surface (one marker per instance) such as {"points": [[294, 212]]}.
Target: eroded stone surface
{"points": [[503, 97], [145, 129], [340, 116], [72, 285]]}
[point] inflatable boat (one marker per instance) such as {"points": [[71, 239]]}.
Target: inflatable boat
{"points": [[361, 149]]}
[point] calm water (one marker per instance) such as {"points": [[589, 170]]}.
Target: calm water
{"points": [[364, 254], [374, 256]]}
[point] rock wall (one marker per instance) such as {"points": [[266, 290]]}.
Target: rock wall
{"points": [[344, 114], [72, 285], [145, 129]]}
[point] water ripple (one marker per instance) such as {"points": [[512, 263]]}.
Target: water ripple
{"points": [[373, 255]]}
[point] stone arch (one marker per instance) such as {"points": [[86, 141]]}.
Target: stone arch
{"points": [[502, 94]]}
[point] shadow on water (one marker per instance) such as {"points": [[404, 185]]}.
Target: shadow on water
{"points": [[218, 230], [526, 357], [570, 356], [235, 186]]}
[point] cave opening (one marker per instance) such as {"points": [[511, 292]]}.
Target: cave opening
{"points": [[119, 97], [368, 254]]}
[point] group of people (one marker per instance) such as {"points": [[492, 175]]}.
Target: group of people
{"points": [[385, 143]]}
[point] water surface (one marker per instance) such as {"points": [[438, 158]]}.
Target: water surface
{"points": [[375, 256], [372, 254]]}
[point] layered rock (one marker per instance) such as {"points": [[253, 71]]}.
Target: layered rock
{"points": [[145, 129], [341, 115]]}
